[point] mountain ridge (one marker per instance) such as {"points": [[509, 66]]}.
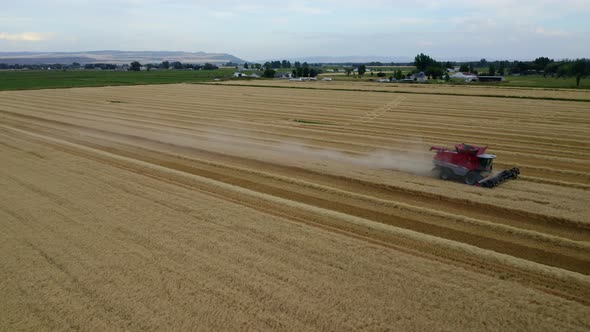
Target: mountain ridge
{"points": [[116, 57]]}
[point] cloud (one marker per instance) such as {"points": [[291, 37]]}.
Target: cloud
{"points": [[551, 33], [400, 22], [305, 9], [222, 14], [24, 36]]}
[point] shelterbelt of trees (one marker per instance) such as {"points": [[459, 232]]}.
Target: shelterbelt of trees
{"points": [[578, 68]]}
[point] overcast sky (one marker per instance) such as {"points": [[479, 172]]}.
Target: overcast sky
{"points": [[259, 29]]}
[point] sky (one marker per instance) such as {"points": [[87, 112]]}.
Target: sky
{"points": [[259, 29]]}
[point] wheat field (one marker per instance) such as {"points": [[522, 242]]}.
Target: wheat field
{"points": [[437, 89], [220, 207]]}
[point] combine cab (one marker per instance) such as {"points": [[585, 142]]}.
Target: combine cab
{"points": [[471, 164]]}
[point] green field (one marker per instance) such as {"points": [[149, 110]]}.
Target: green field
{"points": [[532, 81], [538, 81], [26, 80]]}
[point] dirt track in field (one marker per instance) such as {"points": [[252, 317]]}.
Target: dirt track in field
{"points": [[157, 206]]}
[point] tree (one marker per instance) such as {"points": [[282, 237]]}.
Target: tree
{"points": [[464, 68], [551, 69], [381, 74], [492, 70], [579, 69], [541, 62], [501, 68], [449, 65], [482, 63], [519, 67], [135, 66], [422, 61], [165, 64], [245, 65], [565, 69], [269, 73], [176, 65], [446, 77], [298, 72], [362, 70], [434, 71], [348, 71], [398, 74], [209, 66]]}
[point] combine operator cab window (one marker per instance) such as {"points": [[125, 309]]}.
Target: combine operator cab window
{"points": [[485, 162]]}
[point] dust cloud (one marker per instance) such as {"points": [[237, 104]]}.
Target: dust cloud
{"points": [[415, 159], [412, 161]]}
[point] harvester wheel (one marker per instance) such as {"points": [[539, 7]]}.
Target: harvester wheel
{"points": [[445, 173], [472, 178]]}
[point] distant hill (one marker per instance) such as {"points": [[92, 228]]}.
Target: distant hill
{"points": [[115, 57]]}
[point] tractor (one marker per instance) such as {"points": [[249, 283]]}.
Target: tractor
{"points": [[471, 164]]}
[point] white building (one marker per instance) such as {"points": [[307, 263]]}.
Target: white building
{"points": [[463, 75]]}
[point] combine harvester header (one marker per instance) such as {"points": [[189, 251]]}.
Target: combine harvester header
{"points": [[470, 163]]}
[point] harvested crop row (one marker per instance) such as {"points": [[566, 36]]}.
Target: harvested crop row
{"points": [[431, 88], [180, 256], [399, 132], [176, 201]]}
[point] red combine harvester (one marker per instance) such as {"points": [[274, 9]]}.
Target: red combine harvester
{"points": [[470, 163]]}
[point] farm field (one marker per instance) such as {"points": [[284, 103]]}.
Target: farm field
{"points": [[249, 207], [52, 79], [442, 89]]}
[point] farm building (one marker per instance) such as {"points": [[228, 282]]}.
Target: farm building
{"points": [[464, 75], [420, 77], [283, 75], [491, 78]]}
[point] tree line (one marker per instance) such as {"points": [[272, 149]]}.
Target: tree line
{"points": [[136, 66], [578, 68]]}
